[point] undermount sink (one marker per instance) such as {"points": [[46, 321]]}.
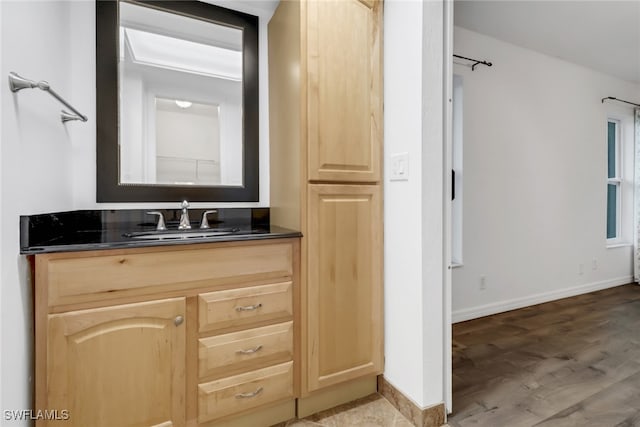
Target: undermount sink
{"points": [[180, 234]]}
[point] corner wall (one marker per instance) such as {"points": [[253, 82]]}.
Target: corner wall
{"points": [[413, 239], [535, 179]]}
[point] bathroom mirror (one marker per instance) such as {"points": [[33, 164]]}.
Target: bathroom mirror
{"points": [[177, 102]]}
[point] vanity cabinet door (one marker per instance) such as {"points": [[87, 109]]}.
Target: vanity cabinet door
{"points": [[342, 305], [118, 366], [344, 62]]}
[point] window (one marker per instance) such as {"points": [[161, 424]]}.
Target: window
{"points": [[614, 181]]}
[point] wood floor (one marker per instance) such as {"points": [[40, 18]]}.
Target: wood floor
{"points": [[572, 362]]}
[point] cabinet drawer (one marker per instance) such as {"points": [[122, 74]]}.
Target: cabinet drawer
{"points": [[227, 354], [73, 278], [231, 395], [239, 307]]}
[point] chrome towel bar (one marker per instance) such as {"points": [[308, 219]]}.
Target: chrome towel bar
{"points": [[17, 83]]}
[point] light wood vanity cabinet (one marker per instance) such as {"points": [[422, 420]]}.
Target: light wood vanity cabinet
{"points": [[325, 70], [126, 338]]}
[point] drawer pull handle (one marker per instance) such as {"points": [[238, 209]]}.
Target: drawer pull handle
{"points": [[249, 395], [250, 350], [178, 320], [249, 307]]}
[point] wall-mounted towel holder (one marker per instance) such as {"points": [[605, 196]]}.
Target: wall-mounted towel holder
{"points": [[17, 83]]}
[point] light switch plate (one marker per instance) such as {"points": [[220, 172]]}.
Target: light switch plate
{"points": [[400, 167]]}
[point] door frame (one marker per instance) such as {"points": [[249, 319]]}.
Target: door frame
{"points": [[446, 202]]}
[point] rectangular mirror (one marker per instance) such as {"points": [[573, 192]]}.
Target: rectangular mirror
{"points": [[177, 102]]}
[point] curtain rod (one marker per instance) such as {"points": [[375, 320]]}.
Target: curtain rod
{"points": [[613, 98], [476, 61]]}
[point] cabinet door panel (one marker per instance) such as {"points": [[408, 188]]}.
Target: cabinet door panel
{"points": [[344, 90], [119, 366], [344, 289]]}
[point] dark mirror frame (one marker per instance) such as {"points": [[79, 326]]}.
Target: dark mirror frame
{"points": [[109, 188]]}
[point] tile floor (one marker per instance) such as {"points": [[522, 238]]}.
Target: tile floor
{"points": [[370, 411]]}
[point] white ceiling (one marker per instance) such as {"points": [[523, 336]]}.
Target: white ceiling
{"points": [[603, 35]]}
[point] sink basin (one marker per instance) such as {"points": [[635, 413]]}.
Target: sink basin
{"points": [[180, 234]]}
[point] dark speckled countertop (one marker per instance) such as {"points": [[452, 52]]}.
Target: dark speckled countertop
{"points": [[106, 229]]}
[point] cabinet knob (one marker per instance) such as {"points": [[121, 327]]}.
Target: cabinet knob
{"points": [[178, 320]]}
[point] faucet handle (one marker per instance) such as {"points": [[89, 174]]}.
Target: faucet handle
{"points": [[185, 223], [161, 225], [205, 223]]}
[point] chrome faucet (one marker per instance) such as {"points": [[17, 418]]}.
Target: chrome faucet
{"points": [[205, 222], [185, 224], [161, 225]]}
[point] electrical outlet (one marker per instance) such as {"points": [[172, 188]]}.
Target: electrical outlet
{"points": [[483, 283], [594, 264], [580, 269]]}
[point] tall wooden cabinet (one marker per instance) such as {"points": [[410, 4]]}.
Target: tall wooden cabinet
{"points": [[325, 84]]}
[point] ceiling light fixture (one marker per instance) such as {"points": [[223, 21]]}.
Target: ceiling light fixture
{"points": [[183, 104]]}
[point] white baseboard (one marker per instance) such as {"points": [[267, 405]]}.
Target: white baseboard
{"points": [[502, 306]]}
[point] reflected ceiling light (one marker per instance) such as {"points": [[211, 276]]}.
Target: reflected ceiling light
{"points": [[183, 104]]}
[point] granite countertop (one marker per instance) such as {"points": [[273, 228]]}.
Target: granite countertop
{"points": [[106, 229]]}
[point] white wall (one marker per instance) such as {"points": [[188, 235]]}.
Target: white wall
{"points": [[1, 205], [35, 165], [200, 129], [188, 144], [413, 240], [133, 156], [230, 153], [432, 195], [535, 178]]}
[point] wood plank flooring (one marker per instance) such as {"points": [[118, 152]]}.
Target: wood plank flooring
{"points": [[571, 362]]}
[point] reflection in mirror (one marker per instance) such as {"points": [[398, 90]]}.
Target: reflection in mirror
{"points": [[172, 132], [197, 161], [176, 102]]}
